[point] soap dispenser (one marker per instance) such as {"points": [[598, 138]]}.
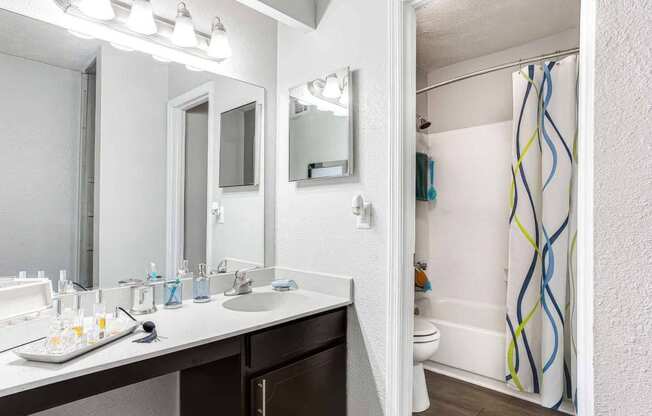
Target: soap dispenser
{"points": [[201, 286]]}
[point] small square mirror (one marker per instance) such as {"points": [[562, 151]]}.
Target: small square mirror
{"points": [[321, 140], [238, 146]]}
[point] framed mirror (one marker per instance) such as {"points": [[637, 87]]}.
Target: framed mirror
{"points": [[320, 125], [239, 131], [110, 161]]}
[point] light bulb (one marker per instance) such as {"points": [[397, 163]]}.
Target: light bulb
{"points": [[332, 88], [97, 9], [184, 31], [219, 47], [141, 18]]}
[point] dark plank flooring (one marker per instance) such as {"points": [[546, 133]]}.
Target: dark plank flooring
{"points": [[451, 397]]}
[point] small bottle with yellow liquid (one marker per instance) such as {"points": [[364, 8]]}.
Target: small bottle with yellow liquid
{"points": [[54, 343], [99, 319]]}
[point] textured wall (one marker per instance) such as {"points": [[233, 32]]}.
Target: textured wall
{"points": [[623, 209], [316, 230]]}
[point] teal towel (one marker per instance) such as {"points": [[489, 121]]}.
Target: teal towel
{"points": [[422, 177]]}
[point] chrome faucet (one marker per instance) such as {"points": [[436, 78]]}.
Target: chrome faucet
{"points": [[241, 283]]}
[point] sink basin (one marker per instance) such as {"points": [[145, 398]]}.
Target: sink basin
{"points": [[262, 302]]}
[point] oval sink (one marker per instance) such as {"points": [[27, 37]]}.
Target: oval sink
{"points": [[262, 302]]}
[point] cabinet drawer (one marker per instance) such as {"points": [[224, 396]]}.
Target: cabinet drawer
{"points": [[314, 386], [283, 343]]}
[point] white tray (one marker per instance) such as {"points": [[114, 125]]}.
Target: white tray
{"points": [[36, 350]]}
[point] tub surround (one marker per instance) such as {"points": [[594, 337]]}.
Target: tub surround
{"points": [[192, 326]]}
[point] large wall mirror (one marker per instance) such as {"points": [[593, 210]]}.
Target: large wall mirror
{"points": [[320, 125], [111, 160]]}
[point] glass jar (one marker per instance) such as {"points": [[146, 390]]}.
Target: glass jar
{"points": [[172, 294]]}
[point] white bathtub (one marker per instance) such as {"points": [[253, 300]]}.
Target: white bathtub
{"points": [[472, 336]]}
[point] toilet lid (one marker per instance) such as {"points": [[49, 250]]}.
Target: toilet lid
{"points": [[424, 330]]}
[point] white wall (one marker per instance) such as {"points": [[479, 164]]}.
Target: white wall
{"points": [[422, 99], [466, 229], [316, 230], [131, 174], [623, 209], [39, 142], [488, 98]]}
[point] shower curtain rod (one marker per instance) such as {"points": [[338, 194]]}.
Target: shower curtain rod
{"points": [[557, 54]]}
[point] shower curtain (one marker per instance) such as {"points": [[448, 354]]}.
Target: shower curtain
{"points": [[540, 350]]}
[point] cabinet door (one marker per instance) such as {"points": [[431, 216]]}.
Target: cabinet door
{"points": [[314, 386]]}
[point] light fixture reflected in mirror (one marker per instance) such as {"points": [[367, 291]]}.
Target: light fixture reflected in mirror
{"points": [[332, 88], [97, 9], [141, 18], [184, 30], [219, 47]]}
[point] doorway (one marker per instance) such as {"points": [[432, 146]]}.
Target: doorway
{"points": [[195, 184]]}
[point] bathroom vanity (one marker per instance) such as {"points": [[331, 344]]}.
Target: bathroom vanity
{"points": [[289, 359]]}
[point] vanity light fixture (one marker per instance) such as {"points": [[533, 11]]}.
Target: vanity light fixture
{"points": [[184, 30], [219, 47], [97, 9], [141, 18], [332, 88]]}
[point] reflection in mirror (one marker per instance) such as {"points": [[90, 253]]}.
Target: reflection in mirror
{"points": [[85, 162], [321, 142], [238, 136]]}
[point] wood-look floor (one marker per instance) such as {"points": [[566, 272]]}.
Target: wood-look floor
{"points": [[451, 397]]}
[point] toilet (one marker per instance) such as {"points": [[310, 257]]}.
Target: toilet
{"points": [[426, 342]]}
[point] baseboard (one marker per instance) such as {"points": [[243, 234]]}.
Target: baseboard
{"points": [[490, 383]]}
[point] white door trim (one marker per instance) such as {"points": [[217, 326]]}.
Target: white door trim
{"points": [[176, 143], [401, 215], [401, 203], [588, 28]]}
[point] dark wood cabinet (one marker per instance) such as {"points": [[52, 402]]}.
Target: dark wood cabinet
{"points": [[313, 386], [297, 368]]}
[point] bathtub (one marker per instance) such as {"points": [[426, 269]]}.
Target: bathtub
{"points": [[472, 336]]}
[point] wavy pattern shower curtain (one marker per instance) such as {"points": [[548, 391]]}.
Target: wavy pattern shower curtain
{"points": [[540, 353]]}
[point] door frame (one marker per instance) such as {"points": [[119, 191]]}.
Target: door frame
{"points": [[175, 170], [401, 206]]}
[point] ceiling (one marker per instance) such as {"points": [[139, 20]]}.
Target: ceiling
{"points": [[38, 41], [451, 31]]}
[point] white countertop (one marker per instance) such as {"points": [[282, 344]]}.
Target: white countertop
{"points": [[192, 325]]}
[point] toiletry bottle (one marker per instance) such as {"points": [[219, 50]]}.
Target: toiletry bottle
{"points": [[40, 274], [22, 274], [78, 321], [99, 316], [201, 286], [54, 342], [64, 283]]}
